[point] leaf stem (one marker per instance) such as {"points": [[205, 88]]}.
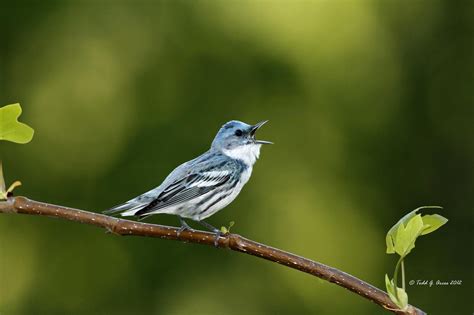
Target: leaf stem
{"points": [[395, 274], [403, 274], [2, 182]]}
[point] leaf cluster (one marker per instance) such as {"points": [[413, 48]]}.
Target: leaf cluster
{"points": [[401, 239]]}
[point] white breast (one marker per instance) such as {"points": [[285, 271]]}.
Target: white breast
{"points": [[246, 153]]}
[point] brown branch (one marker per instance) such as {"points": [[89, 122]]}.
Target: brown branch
{"points": [[231, 241]]}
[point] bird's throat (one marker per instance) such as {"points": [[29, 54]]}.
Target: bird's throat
{"points": [[246, 153]]}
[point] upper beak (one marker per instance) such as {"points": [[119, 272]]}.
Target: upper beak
{"points": [[255, 128]]}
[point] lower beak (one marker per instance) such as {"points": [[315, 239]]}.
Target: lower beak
{"points": [[254, 130]]}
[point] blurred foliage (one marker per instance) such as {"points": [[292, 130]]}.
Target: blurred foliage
{"points": [[370, 106]]}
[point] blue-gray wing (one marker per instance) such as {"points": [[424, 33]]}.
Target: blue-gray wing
{"points": [[193, 184]]}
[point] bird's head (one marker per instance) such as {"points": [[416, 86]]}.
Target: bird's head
{"points": [[237, 140]]}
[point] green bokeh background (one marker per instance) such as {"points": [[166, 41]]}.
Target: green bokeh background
{"points": [[371, 110]]}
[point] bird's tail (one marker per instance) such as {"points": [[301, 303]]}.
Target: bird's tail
{"points": [[128, 208]]}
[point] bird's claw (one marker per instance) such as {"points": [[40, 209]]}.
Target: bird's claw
{"points": [[218, 235], [184, 227], [110, 230]]}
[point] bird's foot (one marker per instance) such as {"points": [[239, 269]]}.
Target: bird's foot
{"points": [[110, 230], [218, 232], [218, 235], [184, 227]]}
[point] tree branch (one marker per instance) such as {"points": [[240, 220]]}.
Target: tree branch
{"points": [[231, 241]]}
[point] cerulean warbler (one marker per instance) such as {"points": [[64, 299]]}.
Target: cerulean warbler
{"points": [[199, 188]]}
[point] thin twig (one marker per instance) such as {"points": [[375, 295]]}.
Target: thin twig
{"points": [[232, 241]]}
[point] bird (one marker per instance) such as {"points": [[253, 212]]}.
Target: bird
{"points": [[199, 188]]}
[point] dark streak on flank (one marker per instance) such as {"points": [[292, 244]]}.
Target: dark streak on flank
{"points": [[224, 195]]}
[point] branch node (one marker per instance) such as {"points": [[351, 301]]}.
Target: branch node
{"points": [[7, 206]]}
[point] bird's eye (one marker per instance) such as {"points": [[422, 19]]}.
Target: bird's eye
{"points": [[238, 132]]}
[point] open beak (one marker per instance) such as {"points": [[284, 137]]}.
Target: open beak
{"points": [[254, 130]]}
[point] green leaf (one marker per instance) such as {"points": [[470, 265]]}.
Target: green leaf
{"points": [[391, 234], [390, 286], [224, 230], [10, 128], [406, 236], [400, 298], [398, 235], [390, 245], [432, 222]]}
